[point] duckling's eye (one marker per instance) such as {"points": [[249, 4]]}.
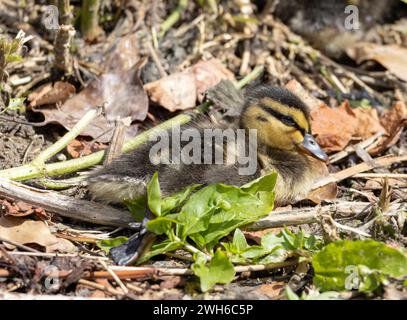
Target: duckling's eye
{"points": [[261, 119], [287, 120]]}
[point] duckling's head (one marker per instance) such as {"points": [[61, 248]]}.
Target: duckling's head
{"points": [[281, 120]]}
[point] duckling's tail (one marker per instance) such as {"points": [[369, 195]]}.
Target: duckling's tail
{"points": [[110, 188]]}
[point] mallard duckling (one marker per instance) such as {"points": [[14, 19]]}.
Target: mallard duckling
{"points": [[284, 144]]}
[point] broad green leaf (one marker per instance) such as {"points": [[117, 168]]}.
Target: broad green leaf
{"points": [[160, 248], [174, 201], [263, 184], [107, 244], [137, 207], [196, 212], [162, 225], [346, 265], [154, 195], [243, 208], [218, 270], [278, 254]]}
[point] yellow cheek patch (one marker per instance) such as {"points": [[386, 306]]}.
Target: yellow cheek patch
{"points": [[297, 137]]}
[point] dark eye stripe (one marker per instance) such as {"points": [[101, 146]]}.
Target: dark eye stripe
{"points": [[287, 120]]}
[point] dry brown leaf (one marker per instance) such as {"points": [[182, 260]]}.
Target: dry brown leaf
{"points": [[268, 291], [49, 93], [62, 246], [22, 209], [393, 120], [175, 92], [24, 231], [333, 128], [79, 147], [119, 89], [392, 57], [368, 122], [327, 192], [179, 91], [208, 74]]}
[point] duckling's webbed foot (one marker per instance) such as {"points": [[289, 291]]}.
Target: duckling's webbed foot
{"points": [[131, 250]]}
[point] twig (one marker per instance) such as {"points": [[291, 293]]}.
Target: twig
{"points": [[99, 286], [63, 40], [311, 215], [18, 245], [55, 255], [347, 228], [116, 143], [381, 175], [115, 277], [187, 271], [156, 60], [88, 211], [350, 149], [359, 168]]}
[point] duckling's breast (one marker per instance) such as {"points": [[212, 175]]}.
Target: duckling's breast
{"points": [[297, 173]]}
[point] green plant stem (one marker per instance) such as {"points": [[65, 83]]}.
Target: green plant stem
{"points": [[60, 184], [173, 18], [192, 249], [65, 12], [67, 138], [90, 19], [30, 171], [256, 72]]}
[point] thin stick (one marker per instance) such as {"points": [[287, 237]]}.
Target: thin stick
{"points": [[115, 277], [347, 228], [65, 206], [156, 60], [99, 286], [350, 149], [18, 245], [187, 271], [67, 138], [381, 175], [312, 214], [55, 255], [359, 168]]}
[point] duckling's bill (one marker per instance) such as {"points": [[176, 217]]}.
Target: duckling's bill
{"points": [[310, 146]]}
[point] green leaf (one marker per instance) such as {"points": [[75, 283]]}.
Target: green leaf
{"points": [[290, 294], [363, 265], [160, 248], [107, 244], [216, 210], [239, 241], [154, 195], [162, 225], [218, 270], [137, 207], [243, 209], [14, 57], [263, 184], [174, 201]]}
